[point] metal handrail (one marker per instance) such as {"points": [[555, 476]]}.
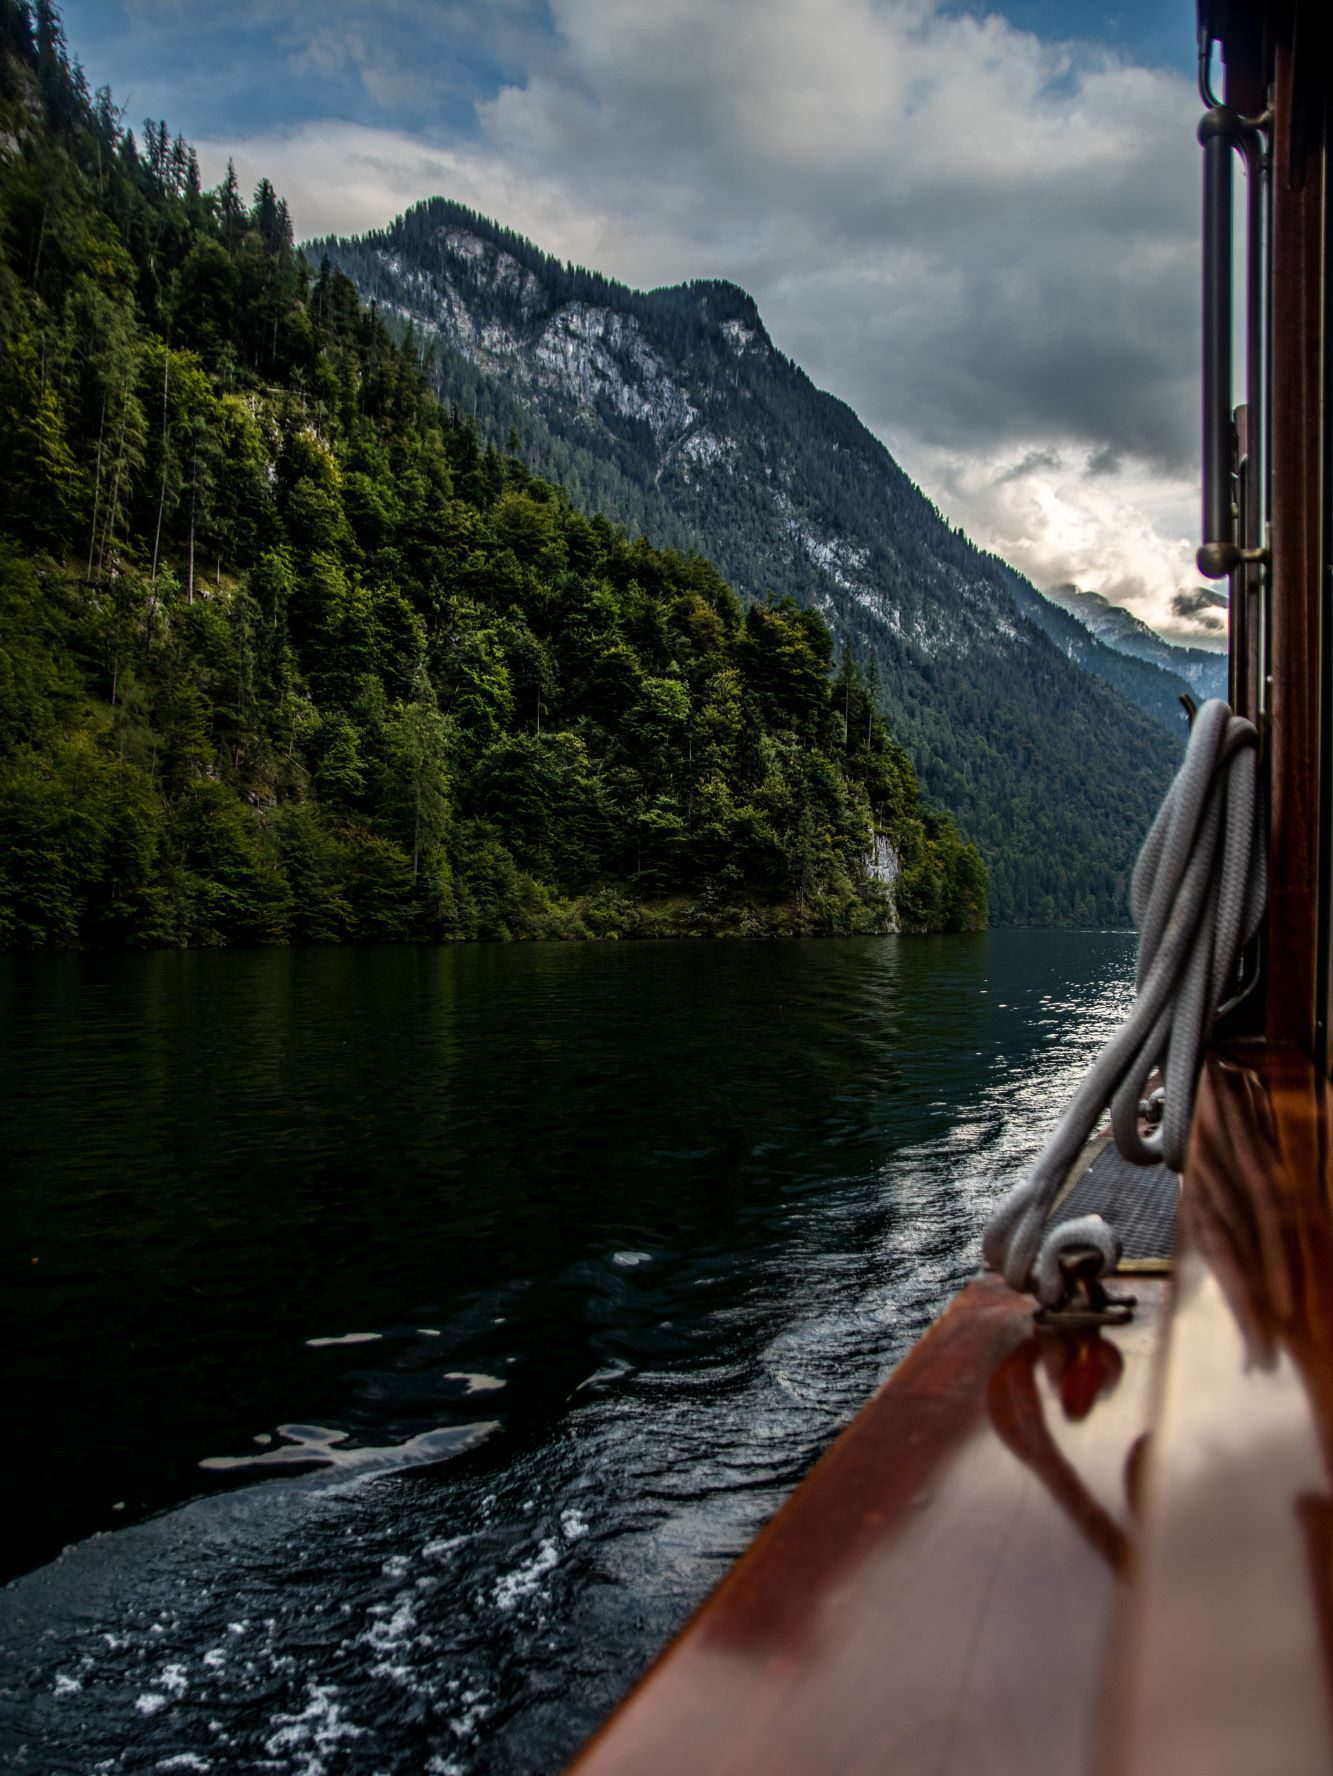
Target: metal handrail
{"points": [[1222, 132]]}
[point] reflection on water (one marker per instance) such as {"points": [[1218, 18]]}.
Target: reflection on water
{"points": [[431, 1327], [314, 1446]]}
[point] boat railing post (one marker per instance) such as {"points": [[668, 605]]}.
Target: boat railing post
{"points": [[1219, 555]]}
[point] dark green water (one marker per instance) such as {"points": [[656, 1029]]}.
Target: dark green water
{"points": [[555, 1266]]}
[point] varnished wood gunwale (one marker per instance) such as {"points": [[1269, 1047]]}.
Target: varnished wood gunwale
{"points": [[1225, 1661], [937, 1595]]}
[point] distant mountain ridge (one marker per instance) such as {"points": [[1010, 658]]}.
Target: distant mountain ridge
{"points": [[1203, 671], [1151, 688], [672, 411]]}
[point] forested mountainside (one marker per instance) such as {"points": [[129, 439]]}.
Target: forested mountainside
{"points": [[288, 654], [1205, 673], [1151, 688], [672, 411]]}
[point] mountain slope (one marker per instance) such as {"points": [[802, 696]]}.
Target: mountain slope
{"points": [[1205, 673], [672, 411], [1149, 687]]}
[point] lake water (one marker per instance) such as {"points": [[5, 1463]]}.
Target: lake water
{"points": [[400, 1342]]}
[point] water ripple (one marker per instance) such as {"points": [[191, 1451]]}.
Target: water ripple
{"points": [[672, 1283]]}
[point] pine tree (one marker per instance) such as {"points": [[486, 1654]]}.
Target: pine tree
{"points": [[230, 210]]}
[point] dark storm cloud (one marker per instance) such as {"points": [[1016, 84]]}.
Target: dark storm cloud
{"points": [[972, 250], [1203, 605], [1035, 459], [983, 240]]}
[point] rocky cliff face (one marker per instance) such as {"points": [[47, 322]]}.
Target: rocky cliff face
{"points": [[674, 413], [882, 866]]}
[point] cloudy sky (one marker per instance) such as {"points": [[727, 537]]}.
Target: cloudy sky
{"points": [[976, 225]]}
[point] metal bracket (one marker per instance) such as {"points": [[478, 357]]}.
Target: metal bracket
{"points": [[1086, 1302]]}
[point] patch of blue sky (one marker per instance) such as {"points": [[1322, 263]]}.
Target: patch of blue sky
{"points": [[214, 71], [1151, 33]]}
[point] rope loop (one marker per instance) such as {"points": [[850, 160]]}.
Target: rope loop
{"points": [[1197, 897]]}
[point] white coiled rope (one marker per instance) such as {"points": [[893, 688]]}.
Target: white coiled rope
{"points": [[1197, 898]]}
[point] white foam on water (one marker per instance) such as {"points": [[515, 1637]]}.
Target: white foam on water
{"points": [[573, 1525], [433, 1550], [173, 1680], [319, 1728], [628, 1260], [393, 1627], [65, 1686], [475, 1709], [346, 1338], [600, 1377], [526, 1579], [399, 1674]]}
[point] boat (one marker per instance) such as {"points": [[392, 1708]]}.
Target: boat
{"points": [[1101, 1540]]}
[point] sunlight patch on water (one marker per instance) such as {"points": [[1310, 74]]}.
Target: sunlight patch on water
{"points": [[316, 1446], [474, 1383]]}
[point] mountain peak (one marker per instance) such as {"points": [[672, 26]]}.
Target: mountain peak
{"points": [[442, 234]]}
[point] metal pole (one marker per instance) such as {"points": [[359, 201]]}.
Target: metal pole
{"points": [[1218, 132]]}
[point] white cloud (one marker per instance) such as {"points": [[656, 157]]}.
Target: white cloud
{"points": [[341, 178], [1129, 530], [986, 244]]}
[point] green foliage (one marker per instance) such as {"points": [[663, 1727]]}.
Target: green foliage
{"points": [[289, 654]]}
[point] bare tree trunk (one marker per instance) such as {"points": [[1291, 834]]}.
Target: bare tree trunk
{"points": [[162, 498], [194, 482], [41, 242], [97, 493], [115, 483]]}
